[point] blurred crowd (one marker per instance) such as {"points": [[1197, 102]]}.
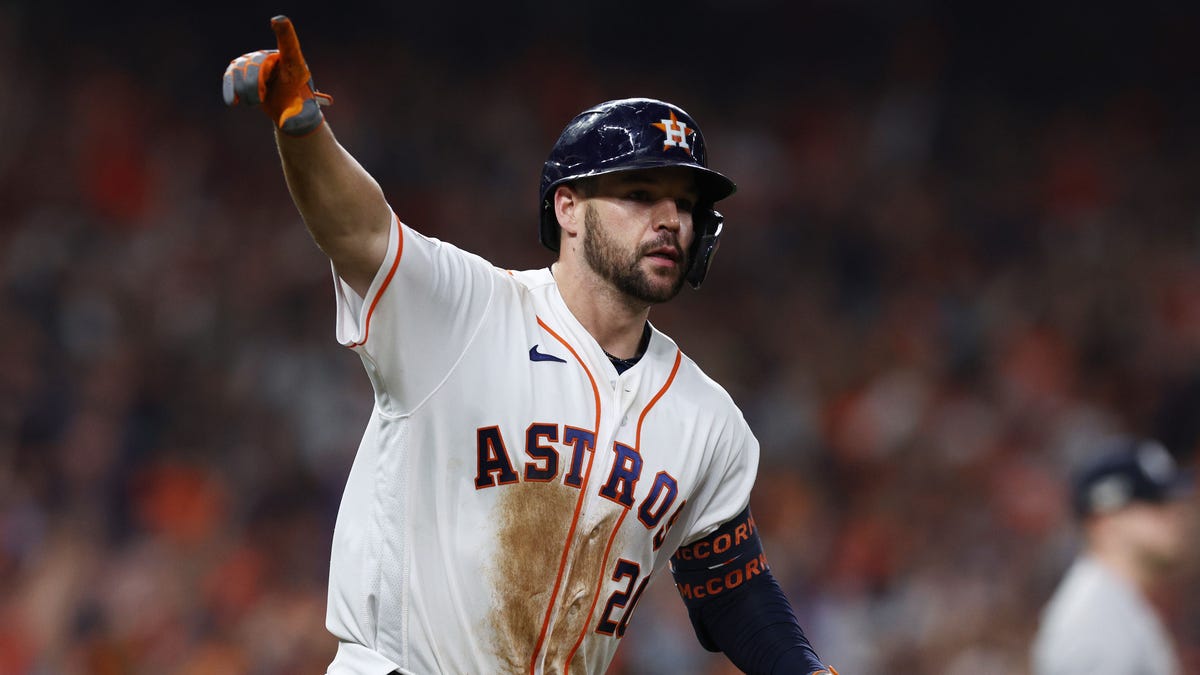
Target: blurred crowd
{"points": [[943, 279]]}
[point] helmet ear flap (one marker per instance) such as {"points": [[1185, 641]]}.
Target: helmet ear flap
{"points": [[709, 223]]}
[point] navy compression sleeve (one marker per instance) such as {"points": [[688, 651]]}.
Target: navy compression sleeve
{"points": [[736, 605]]}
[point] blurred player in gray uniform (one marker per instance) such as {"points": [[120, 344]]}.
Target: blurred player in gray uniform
{"points": [[1133, 507]]}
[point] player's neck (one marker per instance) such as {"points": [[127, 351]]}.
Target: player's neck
{"points": [[612, 318], [1125, 563]]}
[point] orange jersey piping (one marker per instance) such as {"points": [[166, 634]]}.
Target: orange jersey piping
{"points": [[562, 563], [383, 287], [637, 447]]}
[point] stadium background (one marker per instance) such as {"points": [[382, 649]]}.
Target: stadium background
{"points": [[966, 245]]}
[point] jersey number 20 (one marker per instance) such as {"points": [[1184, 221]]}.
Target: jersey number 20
{"points": [[622, 598]]}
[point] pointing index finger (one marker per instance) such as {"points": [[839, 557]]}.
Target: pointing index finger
{"points": [[285, 35]]}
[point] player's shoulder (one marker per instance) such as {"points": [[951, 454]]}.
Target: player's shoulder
{"points": [[534, 279], [1088, 610], [691, 378]]}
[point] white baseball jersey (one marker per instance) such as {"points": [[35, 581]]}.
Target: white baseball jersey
{"points": [[1099, 624], [512, 493]]}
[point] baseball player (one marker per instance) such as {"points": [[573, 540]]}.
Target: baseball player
{"points": [[1099, 621], [537, 449]]}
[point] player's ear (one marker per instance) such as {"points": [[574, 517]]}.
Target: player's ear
{"points": [[569, 209]]}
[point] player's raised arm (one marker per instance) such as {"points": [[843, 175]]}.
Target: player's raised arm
{"points": [[341, 203]]}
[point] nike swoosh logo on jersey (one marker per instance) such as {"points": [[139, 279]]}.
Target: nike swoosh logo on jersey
{"points": [[535, 355]]}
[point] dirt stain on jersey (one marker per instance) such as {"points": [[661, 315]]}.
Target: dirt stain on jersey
{"points": [[579, 591], [534, 521]]}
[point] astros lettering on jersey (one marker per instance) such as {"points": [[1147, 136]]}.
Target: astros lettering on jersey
{"points": [[511, 489]]}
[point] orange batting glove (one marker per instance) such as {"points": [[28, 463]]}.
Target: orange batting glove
{"points": [[277, 79], [829, 670]]}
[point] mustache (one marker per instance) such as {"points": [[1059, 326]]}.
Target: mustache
{"points": [[664, 241]]}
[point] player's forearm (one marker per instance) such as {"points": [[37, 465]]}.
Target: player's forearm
{"points": [[737, 606], [341, 204], [756, 629]]}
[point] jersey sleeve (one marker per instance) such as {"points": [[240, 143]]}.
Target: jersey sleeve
{"points": [[725, 490], [420, 313]]}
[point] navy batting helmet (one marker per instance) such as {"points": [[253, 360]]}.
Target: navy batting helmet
{"points": [[637, 133]]}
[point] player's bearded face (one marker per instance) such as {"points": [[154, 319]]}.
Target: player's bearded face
{"points": [[623, 266]]}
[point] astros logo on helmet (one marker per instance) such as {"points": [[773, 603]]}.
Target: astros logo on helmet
{"points": [[676, 132]]}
